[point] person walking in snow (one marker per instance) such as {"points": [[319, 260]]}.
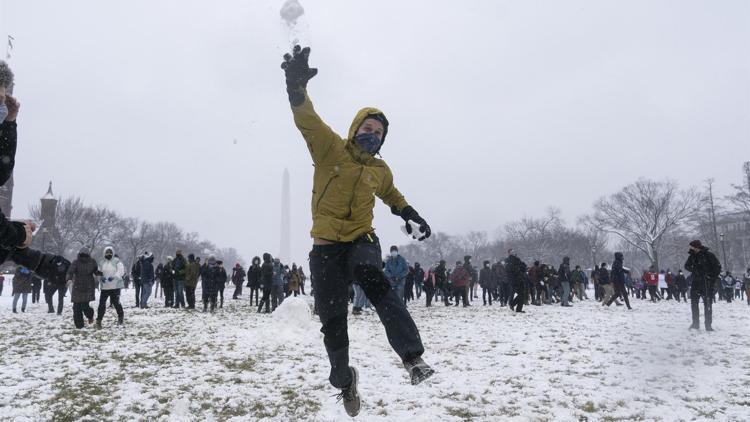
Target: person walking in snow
{"points": [[396, 270], [192, 273], [21, 287], [81, 276], [461, 278], [238, 278], [253, 280], [266, 282], [565, 278], [618, 281], [221, 274], [487, 282], [704, 269], [211, 279], [179, 268], [516, 272], [147, 276], [346, 180], [111, 284]]}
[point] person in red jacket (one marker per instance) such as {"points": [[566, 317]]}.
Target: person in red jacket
{"points": [[652, 280], [460, 278]]}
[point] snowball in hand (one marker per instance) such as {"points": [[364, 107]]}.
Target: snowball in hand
{"points": [[291, 11]]}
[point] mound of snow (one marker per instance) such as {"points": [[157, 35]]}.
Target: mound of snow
{"points": [[292, 322]]}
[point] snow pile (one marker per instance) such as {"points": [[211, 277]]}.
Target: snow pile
{"points": [[292, 322]]}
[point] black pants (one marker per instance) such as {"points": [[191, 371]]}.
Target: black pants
{"points": [[35, 294], [519, 298], [79, 309], [652, 290], [209, 299], [114, 296], [221, 296], [190, 296], [429, 292], [168, 294], [620, 291], [254, 291], [506, 293], [266, 300], [461, 293], [486, 295], [60, 289], [137, 285], [708, 297], [728, 294], [333, 267], [237, 291]]}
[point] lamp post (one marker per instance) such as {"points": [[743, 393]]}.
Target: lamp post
{"points": [[724, 252]]}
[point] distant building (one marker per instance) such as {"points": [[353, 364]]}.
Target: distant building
{"points": [[735, 228]]}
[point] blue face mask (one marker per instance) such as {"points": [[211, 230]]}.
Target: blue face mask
{"points": [[394, 254], [368, 142], [3, 112]]}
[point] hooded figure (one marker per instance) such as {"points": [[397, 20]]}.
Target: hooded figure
{"points": [[112, 270], [346, 180], [81, 274]]}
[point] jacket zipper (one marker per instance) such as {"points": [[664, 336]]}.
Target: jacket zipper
{"points": [[351, 203], [325, 189]]}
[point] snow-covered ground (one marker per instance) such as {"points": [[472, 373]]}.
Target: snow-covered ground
{"points": [[553, 363]]}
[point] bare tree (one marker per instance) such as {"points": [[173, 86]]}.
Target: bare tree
{"points": [[643, 212], [96, 227], [740, 199], [132, 237]]}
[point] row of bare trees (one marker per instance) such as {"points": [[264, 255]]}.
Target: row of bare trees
{"points": [[651, 222], [95, 227]]}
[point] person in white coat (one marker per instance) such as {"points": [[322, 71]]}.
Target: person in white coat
{"points": [[112, 271]]}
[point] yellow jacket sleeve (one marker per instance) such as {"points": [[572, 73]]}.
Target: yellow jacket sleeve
{"points": [[321, 139], [388, 193]]}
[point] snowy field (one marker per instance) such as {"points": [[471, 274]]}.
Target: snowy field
{"points": [[553, 364]]}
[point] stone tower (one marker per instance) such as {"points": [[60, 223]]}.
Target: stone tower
{"points": [[285, 247], [48, 230]]}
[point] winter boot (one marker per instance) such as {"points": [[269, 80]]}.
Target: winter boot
{"points": [[98, 325], [350, 395], [120, 321], [356, 311], [695, 326], [418, 370]]}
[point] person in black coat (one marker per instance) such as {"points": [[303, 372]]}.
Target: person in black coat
{"points": [[487, 282], [166, 275], [82, 274], [618, 280], [222, 275], [210, 281], [705, 269], [135, 274], [516, 271], [682, 286], [266, 282], [238, 278], [253, 280]]}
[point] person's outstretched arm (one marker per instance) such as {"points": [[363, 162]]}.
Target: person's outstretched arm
{"points": [[319, 136]]}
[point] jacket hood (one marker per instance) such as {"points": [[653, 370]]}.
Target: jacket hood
{"points": [[266, 257], [618, 256], [110, 249], [361, 116]]}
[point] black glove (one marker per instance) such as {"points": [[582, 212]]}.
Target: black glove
{"points": [[297, 73], [409, 213]]}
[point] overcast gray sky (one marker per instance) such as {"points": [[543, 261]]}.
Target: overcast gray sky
{"points": [[498, 109]]}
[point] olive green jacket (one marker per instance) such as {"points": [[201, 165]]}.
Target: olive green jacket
{"points": [[347, 179]]}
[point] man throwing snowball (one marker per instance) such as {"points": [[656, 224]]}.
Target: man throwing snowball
{"points": [[347, 178]]}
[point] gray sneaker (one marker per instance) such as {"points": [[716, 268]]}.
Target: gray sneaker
{"points": [[418, 370], [350, 395]]}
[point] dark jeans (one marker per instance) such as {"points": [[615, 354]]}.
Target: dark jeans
{"points": [[333, 267], [461, 293], [506, 293], [654, 293], [79, 309], [49, 291], [486, 294], [137, 285], [429, 292], [266, 299], [254, 291], [168, 294], [519, 298], [221, 295], [114, 295], [237, 291], [209, 299], [708, 297], [35, 294], [190, 296], [621, 292]]}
